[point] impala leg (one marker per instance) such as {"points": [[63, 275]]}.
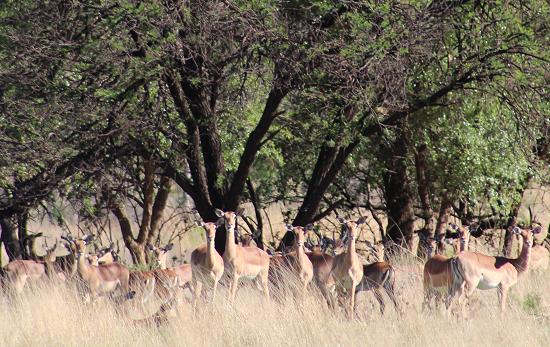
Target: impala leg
{"points": [[378, 297], [264, 281], [214, 289], [352, 302], [233, 288], [502, 293], [197, 295], [467, 291], [391, 294]]}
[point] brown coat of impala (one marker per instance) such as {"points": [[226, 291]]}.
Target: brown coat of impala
{"points": [[377, 276], [438, 276], [182, 273], [242, 262], [295, 263], [206, 264], [100, 279], [476, 270], [347, 270], [19, 273]]}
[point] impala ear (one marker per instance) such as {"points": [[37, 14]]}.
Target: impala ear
{"points": [[341, 220], [169, 247], [219, 212], [150, 247], [239, 212], [537, 230], [289, 227], [361, 220], [309, 227], [516, 230]]}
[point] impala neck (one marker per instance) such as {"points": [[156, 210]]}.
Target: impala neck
{"points": [[299, 249], [210, 247], [351, 247], [82, 266], [521, 263], [230, 246], [464, 245]]}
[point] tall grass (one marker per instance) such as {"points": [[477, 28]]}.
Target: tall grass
{"points": [[54, 315]]}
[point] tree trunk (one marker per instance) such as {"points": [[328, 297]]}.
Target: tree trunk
{"points": [[158, 208], [399, 200], [22, 227], [10, 238], [137, 253], [424, 195], [442, 220], [258, 234]]}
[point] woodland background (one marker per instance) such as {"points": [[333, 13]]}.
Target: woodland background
{"points": [[125, 115]]}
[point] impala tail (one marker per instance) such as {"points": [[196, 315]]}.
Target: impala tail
{"points": [[457, 272]]}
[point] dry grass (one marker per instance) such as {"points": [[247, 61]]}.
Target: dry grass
{"points": [[54, 316]]}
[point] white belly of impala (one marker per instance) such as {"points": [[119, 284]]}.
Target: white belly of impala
{"points": [[106, 287], [252, 272], [485, 284]]}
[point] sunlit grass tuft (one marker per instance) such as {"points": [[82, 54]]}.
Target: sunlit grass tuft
{"points": [[55, 316]]}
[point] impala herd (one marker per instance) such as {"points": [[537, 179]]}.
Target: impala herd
{"points": [[338, 277]]}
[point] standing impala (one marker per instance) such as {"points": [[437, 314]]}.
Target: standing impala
{"points": [[100, 279], [438, 276], [20, 272], [322, 277], [207, 265], [239, 261], [182, 273], [346, 268], [379, 275], [296, 262], [476, 270], [160, 254]]}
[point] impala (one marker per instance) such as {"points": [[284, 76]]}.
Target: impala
{"points": [[160, 254], [438, 277], [183, 273], [379, 275], [295, 263], [239, 261], [100, 279], [475, 270], [104, 256], [347, 270], [322, 277], [20, 272], [207, 265]]}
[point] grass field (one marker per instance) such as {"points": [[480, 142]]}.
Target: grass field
{"points": [[53, 315]]}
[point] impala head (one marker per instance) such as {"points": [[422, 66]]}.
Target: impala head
{"points": [[160, 254], [299, 233], [227, 219], [463, 233], [210, 229], [246, 240], [50, 253], [80, 244], [93, 259], [351, 227], [527, 235], [107, 255], [377, 249]]}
